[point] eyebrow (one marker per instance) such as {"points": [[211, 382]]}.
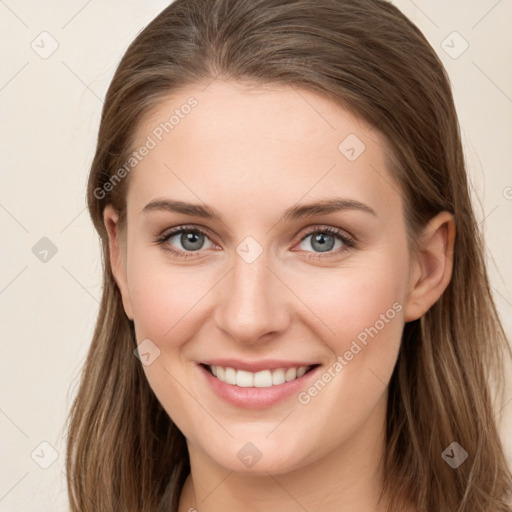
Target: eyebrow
{"points": [[323, 206]]}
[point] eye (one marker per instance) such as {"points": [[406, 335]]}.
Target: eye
{"points": [[184, 240], [323, 239]]}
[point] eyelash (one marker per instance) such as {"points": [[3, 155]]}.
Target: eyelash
{"points": [[349, 242]]}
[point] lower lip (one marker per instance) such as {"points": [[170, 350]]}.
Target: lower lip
{"points": [[256, 398]]}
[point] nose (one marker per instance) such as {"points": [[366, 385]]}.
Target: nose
{"points": [[253, 305]]}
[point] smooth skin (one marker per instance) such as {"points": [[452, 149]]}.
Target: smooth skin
{"points": [[251, 153]]}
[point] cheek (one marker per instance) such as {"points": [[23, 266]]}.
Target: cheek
{"points": [[164, 297], [363, 306], [165, 302], [360, 306], [372, 301]]}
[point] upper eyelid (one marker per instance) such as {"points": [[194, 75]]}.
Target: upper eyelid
{"points": [[186, 227], [320, 228]]}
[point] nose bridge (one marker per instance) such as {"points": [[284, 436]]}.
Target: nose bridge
{"points": [[251, 304]]}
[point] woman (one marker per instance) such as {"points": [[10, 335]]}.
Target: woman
{"points": [[296, 312]]}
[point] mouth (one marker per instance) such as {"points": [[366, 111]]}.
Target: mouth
{"points": [[266, 378], [256, 384]]}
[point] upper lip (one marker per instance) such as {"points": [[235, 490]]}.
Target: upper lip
{"points": [[256, 366]]}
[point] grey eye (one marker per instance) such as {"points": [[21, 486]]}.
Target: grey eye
{"points": [[189, 239], [321, 242]]}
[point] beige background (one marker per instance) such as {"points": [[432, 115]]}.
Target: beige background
{"points": [[50, 114]]}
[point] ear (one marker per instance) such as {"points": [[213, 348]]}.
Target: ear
{"points": [[431, 267], [117, 251]]}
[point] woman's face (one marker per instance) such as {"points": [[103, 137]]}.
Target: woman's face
{"points": [[271, 284]]}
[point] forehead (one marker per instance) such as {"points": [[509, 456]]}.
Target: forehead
{"points": [[265, 145]]}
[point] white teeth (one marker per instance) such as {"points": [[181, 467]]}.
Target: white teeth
{"points": [[230, 376], [262, 379], [278, 377], [290, 374], [301, 371], [244, 379]]}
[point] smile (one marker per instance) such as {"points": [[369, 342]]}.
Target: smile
{"points": [[260, 379], [259, 385]]}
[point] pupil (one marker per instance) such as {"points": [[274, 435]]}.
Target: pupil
{"points": [[189, 239], [321, 239]]}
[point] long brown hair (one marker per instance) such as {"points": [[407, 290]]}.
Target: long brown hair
{"points": [[124, 452]]}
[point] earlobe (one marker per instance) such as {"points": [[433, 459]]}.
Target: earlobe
{"points": [[117, 256], [431, 267]]}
